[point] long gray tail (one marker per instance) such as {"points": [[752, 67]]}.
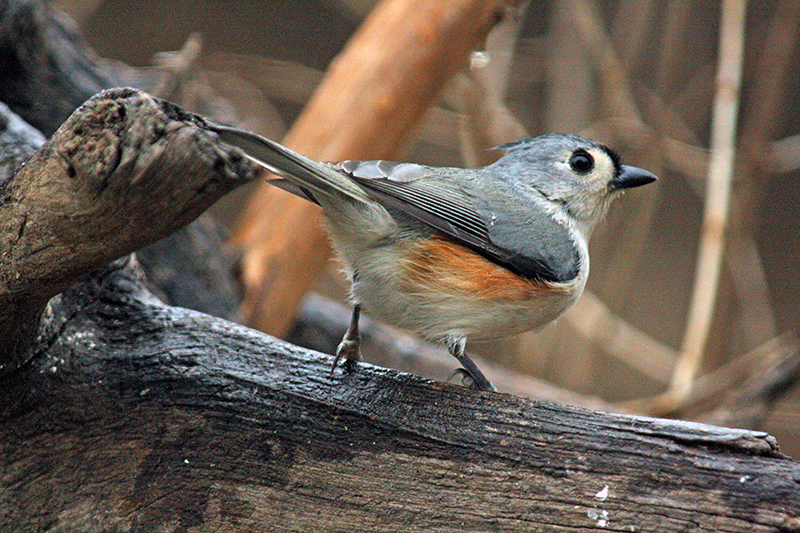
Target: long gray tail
{"points": [[298, 170]]}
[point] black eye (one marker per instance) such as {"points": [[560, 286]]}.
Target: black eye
{"points": [[581, 161]]}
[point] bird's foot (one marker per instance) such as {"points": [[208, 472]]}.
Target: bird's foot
{"points": [[469, 381], [466, 379], [350, 347], [348, 350], [471, 375]]}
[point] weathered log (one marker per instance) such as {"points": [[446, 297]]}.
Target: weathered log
{"points": [[137, 416], [123, 171]]}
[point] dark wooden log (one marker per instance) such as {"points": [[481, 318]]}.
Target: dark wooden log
{"points": [[48, 71], [137, 416], [123, 171]]}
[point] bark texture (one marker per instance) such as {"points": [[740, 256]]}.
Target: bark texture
{"points": [[137, 416], [125, 170]]}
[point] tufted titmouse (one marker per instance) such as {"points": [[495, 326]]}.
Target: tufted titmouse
{"points": [[452, 253]]}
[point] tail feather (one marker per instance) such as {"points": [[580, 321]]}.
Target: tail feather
{"points": [[297, 169]]}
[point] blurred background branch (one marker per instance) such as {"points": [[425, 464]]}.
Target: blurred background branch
{"points": [[716, 214]]}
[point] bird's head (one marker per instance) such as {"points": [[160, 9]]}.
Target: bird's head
{"points": [[574, 174]]}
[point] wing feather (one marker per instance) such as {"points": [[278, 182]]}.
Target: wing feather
{"points": [[429, 197]]}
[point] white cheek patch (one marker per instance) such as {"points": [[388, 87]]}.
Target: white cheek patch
{"points": [[604, 166]]}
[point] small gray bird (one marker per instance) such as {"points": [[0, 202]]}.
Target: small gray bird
{"points": [[453, 253]]}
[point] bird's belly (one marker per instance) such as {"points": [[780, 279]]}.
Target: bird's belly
{"points": [[439, 316], [441, 290]]}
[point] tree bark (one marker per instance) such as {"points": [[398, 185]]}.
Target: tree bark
{"points": [[122, 172], [137, 416]]}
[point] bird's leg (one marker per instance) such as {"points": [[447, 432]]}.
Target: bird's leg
{"points": [[349, 347], [471, 372]]}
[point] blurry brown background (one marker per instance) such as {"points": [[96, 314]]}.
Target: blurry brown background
{"points": [[639, 76]]}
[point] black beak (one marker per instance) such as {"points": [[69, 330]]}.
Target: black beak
{"points": [[630, 177]]}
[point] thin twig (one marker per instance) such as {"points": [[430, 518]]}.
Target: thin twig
{"points": [[178, 67], [717, 201], [708, 391], [612, 72], [759, 122]]}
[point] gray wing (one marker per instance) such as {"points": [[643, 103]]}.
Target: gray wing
{"points": [[532, 246], [437, 204]]}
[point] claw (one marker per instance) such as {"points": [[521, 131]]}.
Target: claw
{"points": [[466, 379], [470, 370], [349, 348]]}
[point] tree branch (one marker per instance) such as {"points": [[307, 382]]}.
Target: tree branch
{"points": [[717, 201], [182, 419], [123, 171]]}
